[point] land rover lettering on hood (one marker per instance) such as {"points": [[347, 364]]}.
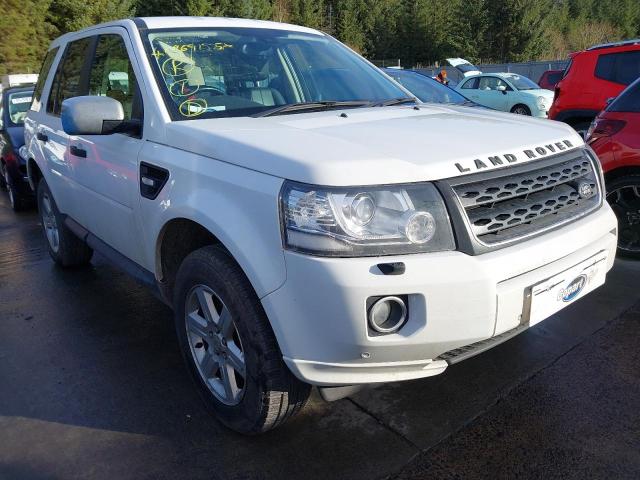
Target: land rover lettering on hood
{"points": [[310, 222]]}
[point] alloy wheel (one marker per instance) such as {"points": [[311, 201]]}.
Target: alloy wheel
{"points": [[625, 202], [215, 345], [50, 224]]}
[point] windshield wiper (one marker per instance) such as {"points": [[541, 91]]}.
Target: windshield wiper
{"points": [[304, 106], [394, 101]]}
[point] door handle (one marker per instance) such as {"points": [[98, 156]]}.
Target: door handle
{"points": [[78, 152], [42, 137]]}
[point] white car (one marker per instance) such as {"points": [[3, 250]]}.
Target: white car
{"points": [[508, 92], [307, 220]]}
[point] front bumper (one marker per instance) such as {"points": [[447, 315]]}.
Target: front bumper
{"points": [[319, 314]]}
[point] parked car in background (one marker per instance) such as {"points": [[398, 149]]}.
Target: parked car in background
{"points": [[550, 78], [428, 90], [508, 92], [465, 67], [591, 78], [14, 105], [17, 80], [615, 137]]}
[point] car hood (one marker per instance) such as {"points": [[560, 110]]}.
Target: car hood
{"points": [[539, 92], [367, 146]]}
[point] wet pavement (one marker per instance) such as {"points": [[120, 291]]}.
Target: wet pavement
{"points": [[92, 386]]}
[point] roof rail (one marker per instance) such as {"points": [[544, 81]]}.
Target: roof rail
{"points": [[615, 44]]}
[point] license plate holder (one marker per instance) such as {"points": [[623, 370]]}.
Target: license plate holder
{"points": [[553, 294]]}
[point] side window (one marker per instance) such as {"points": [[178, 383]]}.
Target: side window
{"points": [[621, 68], [42, 78], [502, 83], [470, 84], [488, 83], [69, 81], [112, 75]]}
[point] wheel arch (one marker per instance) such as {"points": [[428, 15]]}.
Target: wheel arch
{"points": [[622, 171], [34, 173], [178, 237]]}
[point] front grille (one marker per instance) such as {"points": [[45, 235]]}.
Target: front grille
{"points": [[506, 206]]}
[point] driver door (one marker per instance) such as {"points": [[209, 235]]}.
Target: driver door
{"points": [[107, 165], [489, 94]]}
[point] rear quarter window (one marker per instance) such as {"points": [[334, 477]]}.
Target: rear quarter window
{"points": [[622, 68], [628, 101], [42, 78]]}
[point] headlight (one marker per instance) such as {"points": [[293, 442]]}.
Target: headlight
{"points": [[542, 102], [365, 221]]}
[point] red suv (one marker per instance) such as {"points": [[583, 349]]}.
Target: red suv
{"points": [[615, 137], [593, 76]]}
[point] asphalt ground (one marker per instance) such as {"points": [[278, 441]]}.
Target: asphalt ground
{"points": [[92, 385]]}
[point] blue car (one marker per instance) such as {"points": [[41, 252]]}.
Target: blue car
{"points": [[428, 90], [14, 105]]}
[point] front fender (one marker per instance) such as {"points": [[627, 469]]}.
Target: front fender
{"points": [[237, 205]]}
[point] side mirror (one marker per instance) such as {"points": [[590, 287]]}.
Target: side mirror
{"points": [[502, 88], [91, 115]]}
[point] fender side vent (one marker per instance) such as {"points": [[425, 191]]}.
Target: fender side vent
{"points": [[152, 180]]}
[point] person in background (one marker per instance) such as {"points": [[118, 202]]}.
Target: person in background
{"points": [[442, 77]]}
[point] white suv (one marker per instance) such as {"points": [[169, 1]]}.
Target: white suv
{"points": [[309, 222]]}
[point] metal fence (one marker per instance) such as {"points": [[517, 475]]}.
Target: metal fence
{"points": [[532, 70]]}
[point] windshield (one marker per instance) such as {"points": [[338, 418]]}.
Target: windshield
{"points": [[426, 89], [232, 72], [522, 83], [18, 104]]}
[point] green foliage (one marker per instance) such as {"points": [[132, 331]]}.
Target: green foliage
{"points": [[415, 31]]}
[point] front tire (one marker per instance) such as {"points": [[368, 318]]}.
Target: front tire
{"points": [[229, 347], [623, 194], [65, 248], [521, 110]]}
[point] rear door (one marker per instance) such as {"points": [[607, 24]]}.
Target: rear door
{"points": [[55, 162], [106, 166]]}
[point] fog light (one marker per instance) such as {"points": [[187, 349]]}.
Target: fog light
{"points": [[387, 315]]}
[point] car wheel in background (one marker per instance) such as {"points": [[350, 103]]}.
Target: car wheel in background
{"points": [[16, 201], [521, 110], [229, 347], [3, 182], [623, 194], [65, 248]]}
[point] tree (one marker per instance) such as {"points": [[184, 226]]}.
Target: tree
{"points": [[71, 15]]}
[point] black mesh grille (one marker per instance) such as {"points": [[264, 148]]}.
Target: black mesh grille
{"points": [[508, 206]]}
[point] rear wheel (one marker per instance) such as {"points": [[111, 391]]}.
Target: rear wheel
{"points": [[521, 110], [65, 248], [229, 347], [623, 194]]}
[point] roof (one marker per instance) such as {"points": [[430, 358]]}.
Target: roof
{"points": [[621, 43], [153, 23], [23, 88]]}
